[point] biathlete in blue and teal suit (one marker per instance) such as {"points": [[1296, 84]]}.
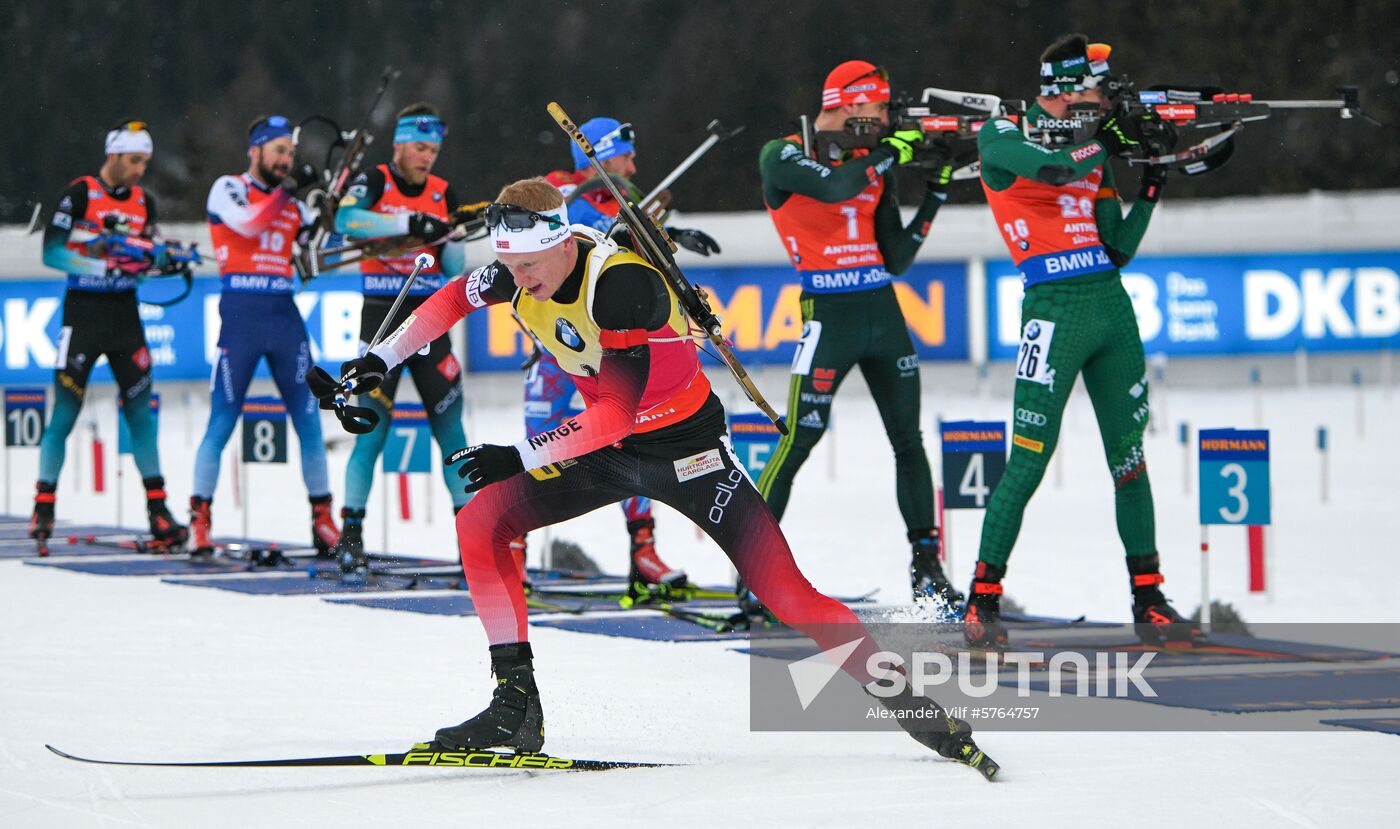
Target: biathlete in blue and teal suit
{"points": [[397, 199], [254, 219]]}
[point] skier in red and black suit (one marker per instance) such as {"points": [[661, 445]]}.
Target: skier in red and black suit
{"points": [[652, 428]]}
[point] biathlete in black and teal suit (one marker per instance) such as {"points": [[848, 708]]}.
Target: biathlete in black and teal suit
{"points": [[397, 199], [100, 317]]}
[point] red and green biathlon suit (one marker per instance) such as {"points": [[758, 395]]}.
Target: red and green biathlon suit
{"points": [[841, 227], [1060, 216]]}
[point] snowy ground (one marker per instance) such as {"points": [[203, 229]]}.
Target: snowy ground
{"points": [[130, 667]]}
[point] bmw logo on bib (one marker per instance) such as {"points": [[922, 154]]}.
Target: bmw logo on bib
{"points": [[566, 333], [1032, 330]]}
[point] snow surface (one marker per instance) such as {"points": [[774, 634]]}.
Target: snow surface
{"points": [[133, 668]]}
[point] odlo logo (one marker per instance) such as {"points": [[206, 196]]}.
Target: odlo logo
{"points": [[566, 333], [724, 491]]}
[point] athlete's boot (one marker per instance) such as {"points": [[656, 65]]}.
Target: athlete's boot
{"points": [[926, 571], [514, 719], [756, 613], [201, 526], [982, 625], [1154, 619], [41, 522], [350, 551], [518, 548], [927, 722], [324, 534], [166, 532], [647, 567]]}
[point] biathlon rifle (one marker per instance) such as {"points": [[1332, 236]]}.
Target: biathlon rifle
{"points": [[1164, 110], [946, 138], [115, 240], [338, 170], [658, 249], [468, 222]]}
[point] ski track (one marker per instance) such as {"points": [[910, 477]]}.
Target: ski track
{"points": [[130, 668]]}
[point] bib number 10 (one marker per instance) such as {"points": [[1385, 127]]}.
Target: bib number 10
{"points": [[271, 240]]}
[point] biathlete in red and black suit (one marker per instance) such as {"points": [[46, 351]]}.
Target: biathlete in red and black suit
{"points": [[652, 428]]}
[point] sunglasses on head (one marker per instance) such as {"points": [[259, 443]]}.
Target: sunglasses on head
{"points": [[517, 218], [276, 122], [429, 124], [131, 126], [623, 133]]}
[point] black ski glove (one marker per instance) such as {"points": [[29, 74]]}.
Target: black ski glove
{"points": [[695, 241], [363, 373], [301, 175], [1120, 132], [485, 464], [1153, 179], [428, 228]]}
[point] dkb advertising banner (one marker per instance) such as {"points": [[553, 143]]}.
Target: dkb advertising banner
{"points": [[1259, 303]]}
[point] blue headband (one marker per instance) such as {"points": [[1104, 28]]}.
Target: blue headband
{"points": [[270, 129], [426, 128]]}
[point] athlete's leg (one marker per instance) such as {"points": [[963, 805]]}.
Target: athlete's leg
{"points": [[438, 377], [727, 506], [228, 385], [1057, 333], [78, 350], [549, 395], [637, 511], [289, 358], [513, 507], [233, 370], [1116, 379], [131, 366], [359, 472], [823, 358], [891, 369]]}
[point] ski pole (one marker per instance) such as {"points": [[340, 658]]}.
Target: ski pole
{"points": [[717, 134], [360, 420]]}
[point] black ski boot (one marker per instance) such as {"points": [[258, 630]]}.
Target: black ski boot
{"points": [[1155, 621], [755, 613], [926, 572], [350, 551], [41, 522], [930, 726], [982, 625], [166, 533], [514, 719]]}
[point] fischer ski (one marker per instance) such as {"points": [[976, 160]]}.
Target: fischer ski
{"points": [[420, 755]]}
